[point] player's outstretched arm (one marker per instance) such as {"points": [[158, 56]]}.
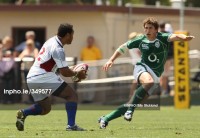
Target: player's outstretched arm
{"points": [[180, 37], [121, 50]]}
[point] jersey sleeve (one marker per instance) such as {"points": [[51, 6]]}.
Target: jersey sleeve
{"points": [[134, 43], [58, 56], [165, 37]]}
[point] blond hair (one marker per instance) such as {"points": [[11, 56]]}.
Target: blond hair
{"points": [[7, 39], [30, 42]]}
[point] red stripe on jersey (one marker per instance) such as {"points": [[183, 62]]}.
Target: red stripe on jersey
{"points": [[48, 65]]}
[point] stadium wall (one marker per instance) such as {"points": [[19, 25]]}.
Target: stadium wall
{"points": [[109, 25]]}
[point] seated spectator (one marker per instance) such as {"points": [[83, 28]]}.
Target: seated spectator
{"points": [[7, 52], [7, 44], [90, 52], [1, 73], [7, 69], [1, 50], [29, 51], [21, 46]]}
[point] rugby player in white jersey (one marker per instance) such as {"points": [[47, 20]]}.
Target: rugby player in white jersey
{"points": [[44, 81], [154, 47]]}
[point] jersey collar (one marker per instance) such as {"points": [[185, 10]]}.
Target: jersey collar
{"points": [[58, 41], [152, 40]]}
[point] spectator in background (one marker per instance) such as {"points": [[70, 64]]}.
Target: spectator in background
{"points": [[90, 53], [1, 49], [21, 46], [7, 44], [164, 80], [29, 51], [1, 73], [7, 69], [135, 55]]}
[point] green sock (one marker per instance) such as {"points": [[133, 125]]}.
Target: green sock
{"points": [[139, 95], [115, 114]]}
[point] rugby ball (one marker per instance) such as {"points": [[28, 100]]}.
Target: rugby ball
{"points": [[79, 67]]}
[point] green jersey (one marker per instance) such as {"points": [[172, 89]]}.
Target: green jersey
{"points": [[154, 53]]}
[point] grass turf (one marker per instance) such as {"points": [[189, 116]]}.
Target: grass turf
{"points": [[164, 123]]}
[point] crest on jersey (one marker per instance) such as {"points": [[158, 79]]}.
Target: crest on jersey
{"points": [[157, 44]]}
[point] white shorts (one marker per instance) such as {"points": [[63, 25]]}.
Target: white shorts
{"points": [[42, 86], [139, 69]]}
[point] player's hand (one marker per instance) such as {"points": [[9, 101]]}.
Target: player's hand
{"points": [[71, 67], [82, 74], [107, 65], [188, 38]]}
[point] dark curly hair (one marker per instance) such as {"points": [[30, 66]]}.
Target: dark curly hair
{"points": [[65, 28]]}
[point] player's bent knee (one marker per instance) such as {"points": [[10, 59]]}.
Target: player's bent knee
{"points": [[46, 106], [148, 85], [146, 78], [46, 110]]}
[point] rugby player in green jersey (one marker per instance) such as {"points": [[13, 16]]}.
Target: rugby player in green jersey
{"points": [[153, 46]]}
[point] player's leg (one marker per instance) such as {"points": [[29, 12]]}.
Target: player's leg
{"points": [[68, 93], [140, 94], [42, 104], [42, 107], [133, 88], [149, 83], [103, 121], [121, 110]]}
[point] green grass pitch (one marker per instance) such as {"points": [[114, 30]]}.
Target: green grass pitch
{"points": [[164, 123]]}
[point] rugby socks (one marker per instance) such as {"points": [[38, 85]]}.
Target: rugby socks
{"points": [[115, 114], [35, 109], [139, 95], [71, 108]]}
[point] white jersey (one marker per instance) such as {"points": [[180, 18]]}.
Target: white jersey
{"points": [[50, 58], [42, 75]]}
